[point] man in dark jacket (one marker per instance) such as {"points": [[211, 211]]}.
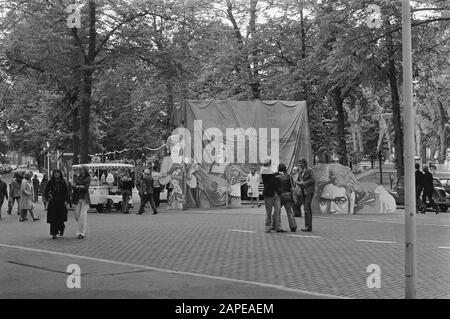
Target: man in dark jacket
{"points": [[126, 186], [419, 187], [308, 185], [35, 181], [271, 198], [146, 192], [3, 194], [428, 188], [14, 193]]}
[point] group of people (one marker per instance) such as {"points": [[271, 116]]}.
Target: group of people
{"points": [[284, 190], [424, 189], [56, 195], [22, 192]]}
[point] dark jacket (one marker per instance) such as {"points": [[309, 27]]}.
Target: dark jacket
{"points": [[56, 193], [270, 183], [81, 188], [284, 184], [307, 177], [126, 183], [14, 188], [419, 180], [428, 182], [146, 185], [3, 191]]}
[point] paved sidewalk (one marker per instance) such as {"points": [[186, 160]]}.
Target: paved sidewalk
{"points": [[232, 244]]}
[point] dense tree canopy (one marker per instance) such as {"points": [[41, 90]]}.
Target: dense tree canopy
{"points": [[114, 82]]}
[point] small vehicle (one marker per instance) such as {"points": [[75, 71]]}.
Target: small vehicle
{"points": [[445, 182], [440, 197], [103, 194]]}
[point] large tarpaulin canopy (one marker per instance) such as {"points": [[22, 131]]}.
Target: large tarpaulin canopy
{"points": [[289, 117]]}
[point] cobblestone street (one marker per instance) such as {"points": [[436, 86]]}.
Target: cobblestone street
{"points": [[230, 245]]}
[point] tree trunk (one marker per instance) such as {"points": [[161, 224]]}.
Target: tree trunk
{"points": [[75, 134], [86, 87], [396, 117], [443, 119], [340, 126], [254, 72]]}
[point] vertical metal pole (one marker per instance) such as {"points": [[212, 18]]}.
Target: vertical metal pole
{"points": [[410, 192], [380, 163]]}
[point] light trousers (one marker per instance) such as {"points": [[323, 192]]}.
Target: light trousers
{"points": [[81, 210]]}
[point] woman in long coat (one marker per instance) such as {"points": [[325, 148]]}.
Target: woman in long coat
{"points": [[56, 194], [26, 197]]}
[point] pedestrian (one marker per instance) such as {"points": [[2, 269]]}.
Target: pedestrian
{"points": [[284, 183], [308, 185], [156, 190], [35, 188], [26, 197], [428, 189], [82, 200], [271, 198], [126, 187], [14, 193], [146, 192], [69, 190], [253, 180], [42, 187], [419, 180], [3, 194], [56, 194], [297, 194]]}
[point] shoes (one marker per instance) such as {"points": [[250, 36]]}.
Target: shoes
{"points": [[138, 213], [273, 228], [294, 229], [307, 229], [21, 219], [54, 237], [155, 213], [35, 219], [268, 231], [9, 213], [80, 236], [259, 205], [61, 233], [281, 231]]}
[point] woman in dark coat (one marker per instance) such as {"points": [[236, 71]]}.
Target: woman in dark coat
{"points": [[56, 194]]}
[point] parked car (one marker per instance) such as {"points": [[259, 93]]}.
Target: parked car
{"points": [[440, 196], [445, 182]]}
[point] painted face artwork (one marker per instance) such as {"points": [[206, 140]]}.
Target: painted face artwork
{"points": [[334, 200]]}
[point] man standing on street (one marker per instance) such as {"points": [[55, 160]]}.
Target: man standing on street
{"points": [[271, 198], [308, 185], [35, 188], [146, 192], [3, 194], [428, 189], [419, 187]]}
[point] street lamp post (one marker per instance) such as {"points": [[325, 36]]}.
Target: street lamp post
{"points": [[409, 175], [48, 158]]}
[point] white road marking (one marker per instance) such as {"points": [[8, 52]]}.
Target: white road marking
{"points": [[378, 221], [304, 236], [377, 241], [242, 231], [318, 294], [443, 247]]}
